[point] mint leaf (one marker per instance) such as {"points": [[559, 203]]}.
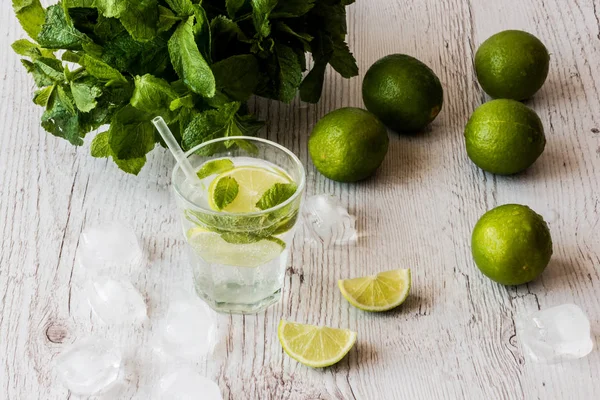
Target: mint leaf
{"points": [[183, 8], [227, 38], [109, 8], [215, 167], [233, 7], [45, 71], [59, 33], [61, 119], [101, 149], [166, 19], [261, 10], [113, 98], [342, 60], [247, 146], [312, 85], [42, 96], [153, 95], [237, 76], [26, 48], [290, 72], [31, 15], [275, 195], [188, 62], [248, 125], [292, 8], [85, 91], [202, 32], [70, 56], [182, 102], [225, 191], [131, 134], [141, 20], [209, 125], [241, 237], [132, 165], [101, 70], [303, 37]]}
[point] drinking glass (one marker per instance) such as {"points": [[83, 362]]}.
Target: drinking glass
{"points": [[239, 259]]}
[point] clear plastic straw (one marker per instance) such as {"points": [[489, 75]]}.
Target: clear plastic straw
{"points": [[171, 142]]}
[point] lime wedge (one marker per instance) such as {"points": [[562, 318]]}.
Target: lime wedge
{"points": [[315, 346], [380, 292], [252, 183], [212, 248]]}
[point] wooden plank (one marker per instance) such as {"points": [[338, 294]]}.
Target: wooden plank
{"points": [[455, 335]]}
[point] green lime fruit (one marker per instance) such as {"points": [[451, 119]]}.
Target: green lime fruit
{"points": [[403, 92], [504, 137], [348, 144], [511, 244], [512, 65]]}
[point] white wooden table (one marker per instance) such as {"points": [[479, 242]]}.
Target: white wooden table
{"points": [[454, 338]]}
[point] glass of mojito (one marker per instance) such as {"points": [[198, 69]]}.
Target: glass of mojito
{"points": [[239, 218]]}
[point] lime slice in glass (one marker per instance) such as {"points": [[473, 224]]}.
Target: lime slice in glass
{"points": [[212, 248], [252, 183]]}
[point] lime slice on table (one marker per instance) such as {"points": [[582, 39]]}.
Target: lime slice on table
{"points": [[315, 346], [252, 183], [380, 292], [212, 248]]}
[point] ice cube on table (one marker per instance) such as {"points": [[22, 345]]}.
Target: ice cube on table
{"points": [[328, 221], [89, 366], [116, 301], [109, 246], [555, 334], [189, 329], [186, 384]]}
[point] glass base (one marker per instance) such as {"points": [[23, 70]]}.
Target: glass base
{"points": [[240, 308]]}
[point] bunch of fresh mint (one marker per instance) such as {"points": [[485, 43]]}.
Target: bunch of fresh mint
{"points": [[123, 62]]}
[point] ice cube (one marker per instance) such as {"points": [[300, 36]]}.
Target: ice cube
{"points": [[89, 366], [189, 329], [555, 334], [116, 301], [186, 384], [328, 221], [109, 246]]}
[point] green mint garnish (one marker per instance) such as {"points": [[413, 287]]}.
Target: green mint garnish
{"points": [[275, 195], [226, 190], [215, 167]]}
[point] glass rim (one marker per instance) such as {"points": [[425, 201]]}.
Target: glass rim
{"points": [[299, 188]]}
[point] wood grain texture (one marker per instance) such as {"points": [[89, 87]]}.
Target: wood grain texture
{"points": [[454, 338]]}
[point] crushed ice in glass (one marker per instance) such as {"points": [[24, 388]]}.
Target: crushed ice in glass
{"points": [[328, 221], [186, 384], [110, 245], [116, 301], [189, 329], [89, 366], [555, 334]]}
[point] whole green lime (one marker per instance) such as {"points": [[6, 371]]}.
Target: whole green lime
{"points": [[403, 92], [511, 244], [512, 65], [348, 144], [504, 137]]}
